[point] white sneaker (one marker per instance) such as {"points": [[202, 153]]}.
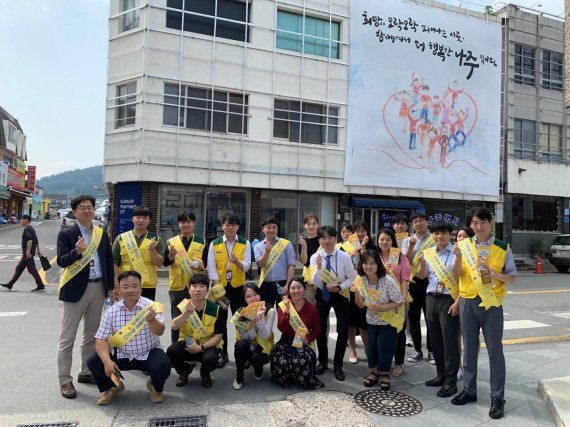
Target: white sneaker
{"points": [[237, 385], [431, 358], [415, 357], [459, 374]]}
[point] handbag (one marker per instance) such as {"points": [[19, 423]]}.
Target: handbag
{"points": [[45, 263]]}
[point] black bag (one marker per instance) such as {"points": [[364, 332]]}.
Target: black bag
{"points": [[45, 263]]}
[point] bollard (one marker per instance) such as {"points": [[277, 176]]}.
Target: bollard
{"points": [[538, 268]]}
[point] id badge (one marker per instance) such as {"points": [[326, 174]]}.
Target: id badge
{"points": [[228, 275], [92, 263], [439, 288]]}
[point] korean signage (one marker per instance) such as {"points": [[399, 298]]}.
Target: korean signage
{"points": [[129, 197], [424, 99], [20, 166], [3, 177], [31, 182], [16, 179]]}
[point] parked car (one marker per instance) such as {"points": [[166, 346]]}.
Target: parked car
{"points": [[560, 253], [69, 220], [3, 220], [62, 212]]}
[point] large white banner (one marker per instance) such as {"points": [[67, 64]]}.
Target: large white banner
{"points": [[424, 99]]}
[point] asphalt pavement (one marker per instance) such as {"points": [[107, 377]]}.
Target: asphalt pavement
{"points": [[537, 348]]}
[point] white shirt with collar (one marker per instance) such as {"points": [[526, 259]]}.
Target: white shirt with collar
{"points": [[341, 263]]}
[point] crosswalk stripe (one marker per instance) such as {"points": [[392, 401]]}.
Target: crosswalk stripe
{"points": [[12, 313], [522, 324]]}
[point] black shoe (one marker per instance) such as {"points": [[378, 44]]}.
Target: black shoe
{"points": [[497, 409], [39, 288], [436, 382], [463, 398], [321, 368], [222, 360], [447, 391], [182, 379], [7, 286], [247, 365], [338, 373]]}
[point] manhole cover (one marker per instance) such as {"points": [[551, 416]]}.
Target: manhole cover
{"points": [[68, 424], [389, 403], [189, 421]]}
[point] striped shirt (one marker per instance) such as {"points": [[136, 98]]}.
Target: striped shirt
{"points": [[118, 316]]}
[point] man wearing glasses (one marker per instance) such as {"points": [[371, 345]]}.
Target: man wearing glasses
{"points": [[84, 252]]}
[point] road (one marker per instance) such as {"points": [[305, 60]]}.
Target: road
{"points": [[536, 333]]}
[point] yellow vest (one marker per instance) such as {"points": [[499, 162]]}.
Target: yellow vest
{"points": [[178, 279], [266, 345], [145, 252], [497, 256], [209, 317], [221, 256]]}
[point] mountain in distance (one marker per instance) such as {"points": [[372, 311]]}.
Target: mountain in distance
{"points": [[75, 182]]}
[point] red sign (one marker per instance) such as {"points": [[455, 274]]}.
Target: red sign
{"points": [[16, 179], [31, 183]]}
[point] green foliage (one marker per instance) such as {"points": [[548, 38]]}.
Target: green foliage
{"points": [[538, 246], [489, 10], [75, 182]]}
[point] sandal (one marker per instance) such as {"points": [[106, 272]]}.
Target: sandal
{"points": [[371, 380], [385, 382], [397, 371]]}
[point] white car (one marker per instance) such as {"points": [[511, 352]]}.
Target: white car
{"points": [[69, 220], [62, 212]]}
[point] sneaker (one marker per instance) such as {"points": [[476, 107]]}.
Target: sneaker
{"points": [[38, 289], [236, 385], [155, 396], [7, 286], [258, 375], [109, 395], [431, 358], [459, 374], [416, 357]]}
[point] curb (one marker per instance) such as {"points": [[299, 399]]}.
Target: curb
{"points": [[555, 394]]}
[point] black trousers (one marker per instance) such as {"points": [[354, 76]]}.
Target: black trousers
{"points": [[235, 295], [149, 293], [179, 357], [30, 264], [243, 353], [269, 293], [400, 352], [176, 297], [341, 309], [157, 363], [418, 292], [443, 333]]}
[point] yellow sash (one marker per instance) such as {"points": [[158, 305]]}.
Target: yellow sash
{"points": [[135, 255], [266, 345], [295, 321], [393, 276], [194, 321], [328, 277], [134, 326], [182, 255], [394, 318], [71, 271], [415, 262], [217, 291], [442, 272], [485, 291], [347, 246], [274, 255]]}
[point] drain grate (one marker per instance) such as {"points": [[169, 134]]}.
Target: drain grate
{"points": [[389, 403], [68, 424], [189, 421]]}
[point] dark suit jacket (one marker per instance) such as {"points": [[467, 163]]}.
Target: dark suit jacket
{"points": [[73, 290]]}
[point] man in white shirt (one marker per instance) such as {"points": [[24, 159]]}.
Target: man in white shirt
{"points": [[332, 292]]}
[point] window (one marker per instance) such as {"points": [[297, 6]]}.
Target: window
{"points": [[551, 143], [130, 19], [524, 65], [525, 139], [198, 108], [11, 133], [220, 18], [552, 70], [126, 102], [305, 122], [535, 213], [306, 34]]}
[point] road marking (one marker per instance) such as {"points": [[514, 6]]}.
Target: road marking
{"points": [[522, 324], [562, 315], [13, 313], [43, 273], [534, 340], [550, 291]]}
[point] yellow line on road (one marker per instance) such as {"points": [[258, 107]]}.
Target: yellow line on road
{"points": [[548, 291], [534, 340], [43, 273]]}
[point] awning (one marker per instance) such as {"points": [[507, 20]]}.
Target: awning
{"points": [[18, 192], [362, 202]]}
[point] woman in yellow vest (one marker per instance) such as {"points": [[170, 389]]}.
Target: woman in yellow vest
{"points": [[293, 360], [254, 344], [201, 328]]}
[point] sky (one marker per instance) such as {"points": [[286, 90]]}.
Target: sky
{"points": [[53, 75]]}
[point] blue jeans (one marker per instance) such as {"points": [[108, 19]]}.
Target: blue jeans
{"points": [[381, 346]]}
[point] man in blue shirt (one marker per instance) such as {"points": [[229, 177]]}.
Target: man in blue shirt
{"points": [[442, 308], [276, 260]]}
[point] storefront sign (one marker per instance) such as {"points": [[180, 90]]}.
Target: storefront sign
{"points": [[31, 182], [129, 197], [20, 166], [3, 179], [16, 179]]}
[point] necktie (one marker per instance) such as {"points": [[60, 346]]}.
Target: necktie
{"points": [[326, 293]]}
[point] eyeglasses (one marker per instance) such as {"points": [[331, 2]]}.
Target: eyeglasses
{"points": [[85, 208]]}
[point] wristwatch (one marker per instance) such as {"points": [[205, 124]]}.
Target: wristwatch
{"points": [[203, 348]]}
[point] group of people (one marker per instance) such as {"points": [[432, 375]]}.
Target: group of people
{"points": [[374, 288]]}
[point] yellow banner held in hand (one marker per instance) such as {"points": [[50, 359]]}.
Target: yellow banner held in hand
{"points": [[134, 326], [196, 325]]}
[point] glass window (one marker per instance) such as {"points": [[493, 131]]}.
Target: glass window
{"points": [[11, 133], [283, 207], [525, 140], [219, 203], [323, 206], [534, 213], [313, 123], [524, 64], [126, 105], [130, 18], [552, 70], [308, 34], [220, 18], [551, 143], [175, 200]]}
